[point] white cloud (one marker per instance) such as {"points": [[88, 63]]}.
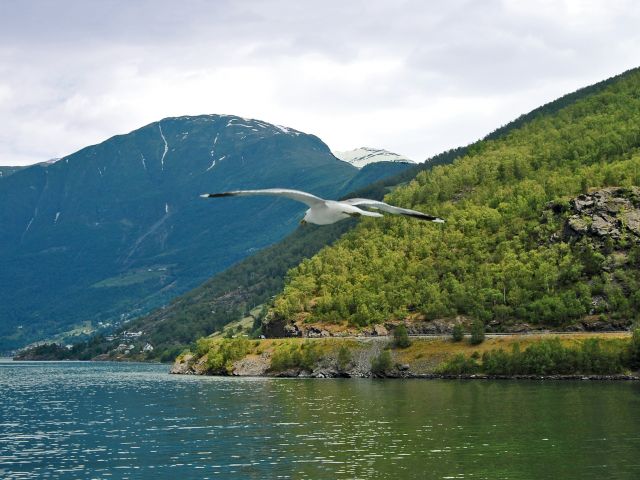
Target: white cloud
{"points": [[413, 77]]}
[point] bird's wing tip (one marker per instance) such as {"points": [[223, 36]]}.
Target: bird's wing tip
{"points": [[216, 195]]}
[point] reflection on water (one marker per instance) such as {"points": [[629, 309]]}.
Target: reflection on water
{"points": [[99, 420]]}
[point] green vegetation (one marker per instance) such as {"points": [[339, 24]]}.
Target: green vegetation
{"points": [[295, 355], [133, 277], [82, 351], [221, 354], [336, 356], [344, 359], [401, 337], [477, 333], [501, 256], [381, 364], [458, 333], [546, 357], [634, 350]]}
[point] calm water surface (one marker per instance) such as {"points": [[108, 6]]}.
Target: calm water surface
{"points": [[105, 420]]}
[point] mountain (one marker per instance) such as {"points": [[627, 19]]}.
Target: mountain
{"points": [[542, 231], [230, 295], [115, 229], [363, 156], [374, 172], [6, 171]]}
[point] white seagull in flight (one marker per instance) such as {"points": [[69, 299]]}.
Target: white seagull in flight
{"points": [[326, 212]]}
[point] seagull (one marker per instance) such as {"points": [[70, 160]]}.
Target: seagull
{"points": [[326, 212]]}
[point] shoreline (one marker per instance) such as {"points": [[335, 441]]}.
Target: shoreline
{"points": [[558, 358], [431, 376]]}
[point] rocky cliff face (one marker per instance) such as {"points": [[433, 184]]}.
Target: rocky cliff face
{"points": [[612, 212]]}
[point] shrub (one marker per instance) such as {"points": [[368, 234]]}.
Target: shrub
{"points": [[344, 358], [458, 332], [550, 357], [201, 347], [401, 337], [634, 350], [458, 365], [382, 363], [284, 358], [477, 333], [222, 354], [304, 356]]}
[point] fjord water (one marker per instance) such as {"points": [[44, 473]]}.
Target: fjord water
{"points": [[106, 420]]}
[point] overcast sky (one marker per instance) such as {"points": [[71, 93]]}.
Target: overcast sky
{"points": [[413, 77]]}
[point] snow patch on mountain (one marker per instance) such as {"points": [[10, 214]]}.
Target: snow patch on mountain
{"points": [[166, 147], [362, 156]]}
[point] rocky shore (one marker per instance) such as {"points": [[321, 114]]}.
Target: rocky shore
{"points": [[398, 372], [377, 357]]}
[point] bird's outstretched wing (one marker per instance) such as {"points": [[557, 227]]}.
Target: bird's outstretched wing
{"points": [[385, 207], [304, 197]]}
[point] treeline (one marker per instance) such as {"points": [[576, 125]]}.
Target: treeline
{"points": [[54, 351], [551, 357], [500, 256]]}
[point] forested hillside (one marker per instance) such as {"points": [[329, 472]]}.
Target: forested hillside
{"points": [[508, 252]]}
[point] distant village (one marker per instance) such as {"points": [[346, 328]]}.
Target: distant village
{"points": [[126, 345]]}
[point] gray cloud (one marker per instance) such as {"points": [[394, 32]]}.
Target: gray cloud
{"points": [[411, 76]]}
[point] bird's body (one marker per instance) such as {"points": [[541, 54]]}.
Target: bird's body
{"points": [[326, 212], [331, 211]]}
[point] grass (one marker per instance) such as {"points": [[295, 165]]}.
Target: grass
{"points": [[425, 355], [140, 275]]}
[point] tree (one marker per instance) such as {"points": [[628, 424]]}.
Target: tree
{"points": [[477, 332], [401, 337], [381, 364], [634, 349], [458, 332], [584, 185], [344, 359]]}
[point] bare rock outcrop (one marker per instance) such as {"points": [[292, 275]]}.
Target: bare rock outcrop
{"points": [[183, 365], [612, 212]]}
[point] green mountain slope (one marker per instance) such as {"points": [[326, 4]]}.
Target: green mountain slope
{"points": [[507, 253], [118, 228]]}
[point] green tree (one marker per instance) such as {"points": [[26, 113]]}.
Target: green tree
{"points": [[584, 185], [344, 358], [401, 336], [458, 332], [477, 333], [634, 350], [381, 364]]}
